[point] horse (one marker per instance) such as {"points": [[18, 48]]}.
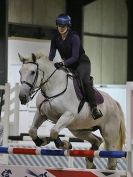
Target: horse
{"points": [[57, 101]]}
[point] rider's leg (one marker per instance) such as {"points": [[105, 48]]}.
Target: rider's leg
{"points": [[90, 95], [83, 71]]}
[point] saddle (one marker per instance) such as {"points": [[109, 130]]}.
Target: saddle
{"points": [[80, 92]]}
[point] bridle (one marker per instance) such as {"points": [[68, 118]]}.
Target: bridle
{"points": [[35, 79], [32, 85], [33, 91]]}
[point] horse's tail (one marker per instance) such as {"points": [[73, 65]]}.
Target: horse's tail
{"points": [[122, 130]]}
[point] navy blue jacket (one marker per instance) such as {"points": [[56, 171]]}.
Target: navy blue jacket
{"points": [[69, 49]]}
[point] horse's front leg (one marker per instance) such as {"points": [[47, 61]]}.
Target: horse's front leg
{"points": [[64, 121], [37, 122]]}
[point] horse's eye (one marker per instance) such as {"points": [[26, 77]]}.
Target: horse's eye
{"points": [[33, 72]]}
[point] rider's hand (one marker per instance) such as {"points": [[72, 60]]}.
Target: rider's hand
{"points": [[58, 65]]}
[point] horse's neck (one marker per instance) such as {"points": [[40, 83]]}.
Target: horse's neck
{"points": [[56, 83]]}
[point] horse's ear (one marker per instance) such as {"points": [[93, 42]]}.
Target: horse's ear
{"points": [[34, 57], [22, 59]]}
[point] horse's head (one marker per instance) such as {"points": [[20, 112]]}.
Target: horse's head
{"points": [[29, 77]]}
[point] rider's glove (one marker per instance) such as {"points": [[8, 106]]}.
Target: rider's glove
{"points": [[58, 65]]}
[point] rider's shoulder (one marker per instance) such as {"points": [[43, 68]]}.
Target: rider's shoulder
{"points": [[74, 35]]}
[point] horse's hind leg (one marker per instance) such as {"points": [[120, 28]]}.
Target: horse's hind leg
{"points": [[112, 162], [91, 138], [37, 122], [111, 137]]}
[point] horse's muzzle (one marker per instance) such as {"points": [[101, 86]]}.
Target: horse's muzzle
{"points": [[23, 99]]}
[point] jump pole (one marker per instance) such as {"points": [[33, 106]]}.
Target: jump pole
{"points": [[60, 152], [60, 172]]}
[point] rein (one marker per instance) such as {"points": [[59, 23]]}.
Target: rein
{"points": [[47, 98], [54, 96], [39, 88]]}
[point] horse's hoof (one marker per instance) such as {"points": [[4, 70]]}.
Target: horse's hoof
{"points": [[93, 166], [41, 142], [112, 168], [58, 143], [45, 141], [62, 144], [89, 163], [67, 145]]}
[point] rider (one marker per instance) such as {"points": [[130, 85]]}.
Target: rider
{"points": [[68, 44]]}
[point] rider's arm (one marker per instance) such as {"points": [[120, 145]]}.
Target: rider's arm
{"points": [[52, 52], [75, 51]]}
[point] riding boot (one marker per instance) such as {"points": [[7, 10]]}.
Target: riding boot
{"points": [[96, 113], [90, 95]]}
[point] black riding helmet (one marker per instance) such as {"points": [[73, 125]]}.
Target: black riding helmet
{"points": [[63, 19]]}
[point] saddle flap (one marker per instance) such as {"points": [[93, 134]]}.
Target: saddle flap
{"points": [[81, 94]]}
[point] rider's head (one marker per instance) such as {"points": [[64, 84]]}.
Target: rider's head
{"points": [[63, 23]]}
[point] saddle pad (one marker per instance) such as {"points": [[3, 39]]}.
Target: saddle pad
{"points": [[79, 93], [99, 97]]}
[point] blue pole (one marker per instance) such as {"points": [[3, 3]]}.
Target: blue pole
{"points": [[4, 150], [52, 152], [112, 154]]}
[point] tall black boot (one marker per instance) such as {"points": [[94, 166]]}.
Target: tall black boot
{"points": [[90, 94]]}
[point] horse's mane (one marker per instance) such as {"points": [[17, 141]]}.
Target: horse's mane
{"points": [[41, 55], [43, 58], [40, 58]]}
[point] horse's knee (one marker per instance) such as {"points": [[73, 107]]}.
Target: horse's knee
{"points": [[33, 132], [53, 133]]}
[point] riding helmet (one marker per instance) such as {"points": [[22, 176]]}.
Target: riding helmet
{"points": [[63, 19]]}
